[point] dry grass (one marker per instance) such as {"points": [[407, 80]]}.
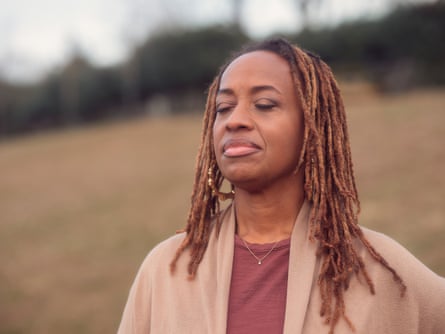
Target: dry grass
{"points": [[398, 146], [79, 212], [80, 209]]}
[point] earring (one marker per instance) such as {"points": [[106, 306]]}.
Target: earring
{"points": [[215, 192]]}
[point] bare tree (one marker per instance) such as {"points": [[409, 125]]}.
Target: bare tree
{"points": [[304, 7], [395, 3], [237, 11]]}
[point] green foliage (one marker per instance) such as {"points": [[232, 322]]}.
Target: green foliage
{"points": [[178, 60], [402, 50], [168, 63]]}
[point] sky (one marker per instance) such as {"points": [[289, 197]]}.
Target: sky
{"points": [[37, 36]]}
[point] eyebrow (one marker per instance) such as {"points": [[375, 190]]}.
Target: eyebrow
{"points": [[253, 90]]}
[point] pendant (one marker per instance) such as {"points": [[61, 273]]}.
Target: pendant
{"points": [[259, 262]]}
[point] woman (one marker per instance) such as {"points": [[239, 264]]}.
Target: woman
{"points": [[287, 255]]}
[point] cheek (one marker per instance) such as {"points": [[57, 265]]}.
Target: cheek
{"points": [[296, 129], [299, 133], [217, 136], [287, 142]]}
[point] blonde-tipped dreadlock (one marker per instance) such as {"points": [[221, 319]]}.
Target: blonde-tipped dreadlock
{"points": [[329, 182]]}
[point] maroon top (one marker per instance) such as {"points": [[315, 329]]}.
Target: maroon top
{"points": [[257, 300]]}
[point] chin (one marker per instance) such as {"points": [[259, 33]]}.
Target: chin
{"points": [[247, 182], [239, 173]]}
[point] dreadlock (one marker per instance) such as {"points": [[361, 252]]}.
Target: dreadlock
{"points": [[329, 183]]}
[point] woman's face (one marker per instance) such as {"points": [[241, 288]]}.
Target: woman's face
{"points": [[258, 130]]}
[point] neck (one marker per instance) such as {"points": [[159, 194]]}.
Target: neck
{"points": [[268, 215]]}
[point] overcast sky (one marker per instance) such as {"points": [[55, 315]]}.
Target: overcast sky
{"points": [[36, 35]]}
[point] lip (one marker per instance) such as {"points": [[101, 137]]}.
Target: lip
{"points": [[233, 148]]}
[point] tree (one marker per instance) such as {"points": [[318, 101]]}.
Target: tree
{"points": [[304, 7], [237, 12]]}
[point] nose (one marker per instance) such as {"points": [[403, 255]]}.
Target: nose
{"points": [[239, 118]]}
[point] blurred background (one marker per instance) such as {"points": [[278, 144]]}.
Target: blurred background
{"points": [[100, 118]]}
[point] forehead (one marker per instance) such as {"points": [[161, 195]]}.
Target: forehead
{"points": [[261, 66]]}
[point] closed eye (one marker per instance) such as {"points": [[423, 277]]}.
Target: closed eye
{"points": [[223, 107], [265, 106]]}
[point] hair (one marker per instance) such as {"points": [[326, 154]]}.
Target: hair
{"points": [[329, 183]]}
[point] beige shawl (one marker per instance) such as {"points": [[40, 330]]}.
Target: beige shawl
{"points": [[161, 303]]}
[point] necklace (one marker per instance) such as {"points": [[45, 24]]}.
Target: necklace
{"points": [[260, 260]]}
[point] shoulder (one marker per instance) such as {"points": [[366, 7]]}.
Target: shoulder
{"points": [[425, 294], [390, 248], [419, 279], [161, 255], [168, 246], [396, 255], [154, 269]]}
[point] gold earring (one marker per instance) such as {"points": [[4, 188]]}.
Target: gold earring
{"points": [[215, 192]]}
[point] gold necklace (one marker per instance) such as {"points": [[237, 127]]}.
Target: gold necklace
{"points": [[260, 260]]}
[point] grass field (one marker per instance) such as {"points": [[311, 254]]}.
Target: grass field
{"points": [[81, 208]]}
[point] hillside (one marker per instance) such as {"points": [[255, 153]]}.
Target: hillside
{"points": [[80, 209]]}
